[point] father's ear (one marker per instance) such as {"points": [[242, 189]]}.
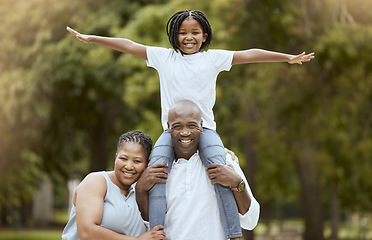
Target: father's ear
{"points": [[201, 125], [168, 125]]}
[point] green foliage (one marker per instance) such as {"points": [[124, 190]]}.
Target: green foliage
{"points": [[31, 235], [348, 136], [60, 98], [23, 112], [325, 103], [64, 103]]}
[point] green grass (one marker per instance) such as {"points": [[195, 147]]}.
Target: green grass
{"points": [[31, 235], [279, 230]]}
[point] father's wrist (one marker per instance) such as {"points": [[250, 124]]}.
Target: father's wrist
{"points": [[240, 187]]}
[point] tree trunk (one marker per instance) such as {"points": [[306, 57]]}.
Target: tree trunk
{"points": [[99, 135], [335, 216], [98, 138], [25, 213], [306, 18], [310, 194], [3, 216]]}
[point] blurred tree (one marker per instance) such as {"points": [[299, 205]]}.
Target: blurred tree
{"points": [[87, 83], [61, 99], [251, 96], [303, 133], [21, 116], [315, 117], [347, 139]]}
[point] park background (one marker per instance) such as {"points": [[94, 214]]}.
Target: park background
{"points": [[302, 132]]}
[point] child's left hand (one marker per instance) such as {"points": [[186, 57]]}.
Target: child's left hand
{"points": [[301, 58]]}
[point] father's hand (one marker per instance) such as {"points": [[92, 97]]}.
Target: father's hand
{"points": [[223, 174], [151, 175]]}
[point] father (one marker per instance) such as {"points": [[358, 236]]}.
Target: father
{"points": [[192, 207]]}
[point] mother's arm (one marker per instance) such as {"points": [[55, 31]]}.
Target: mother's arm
{"points": [[88, 199]]}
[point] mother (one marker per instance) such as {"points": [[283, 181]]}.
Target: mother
{"points": [[104, 205]]}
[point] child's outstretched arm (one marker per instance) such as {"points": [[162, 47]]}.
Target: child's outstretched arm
{"points": [[259, 55], [119, 44]]}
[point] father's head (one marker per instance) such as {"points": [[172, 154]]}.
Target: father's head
{"points": [[185, 125]]}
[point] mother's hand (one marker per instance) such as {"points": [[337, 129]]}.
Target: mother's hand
{"points": [[155, 233]]}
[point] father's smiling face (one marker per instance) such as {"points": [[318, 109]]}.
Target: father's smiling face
{"points": [[185, 126]]}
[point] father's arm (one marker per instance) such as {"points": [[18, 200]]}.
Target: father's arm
{"points": [[151, 175], [231, 175]]}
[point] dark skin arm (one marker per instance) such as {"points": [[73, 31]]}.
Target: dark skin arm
{"points": [[223, 174], [227, 176], [151, 175]]}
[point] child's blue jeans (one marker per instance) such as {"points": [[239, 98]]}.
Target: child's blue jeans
{"points": [[211, 150]]}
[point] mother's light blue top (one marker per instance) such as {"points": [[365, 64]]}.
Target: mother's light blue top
{"points": [[120, 214]]}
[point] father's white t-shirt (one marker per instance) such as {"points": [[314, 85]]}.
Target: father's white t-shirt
{"points": [[192, 206]]}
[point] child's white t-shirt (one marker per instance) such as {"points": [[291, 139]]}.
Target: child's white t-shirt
{"points": [[189, 77]]}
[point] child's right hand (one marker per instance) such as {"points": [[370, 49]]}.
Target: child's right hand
{"points": [[81, 37], [154, 233]]}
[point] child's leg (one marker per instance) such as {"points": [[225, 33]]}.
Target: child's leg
{"points": [[212, 151], [162, 153]]}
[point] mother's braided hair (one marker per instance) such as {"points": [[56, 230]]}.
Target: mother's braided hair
{"points": [[137, 137]]}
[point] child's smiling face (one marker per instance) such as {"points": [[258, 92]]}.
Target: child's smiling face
{"points": [[191, 36]]}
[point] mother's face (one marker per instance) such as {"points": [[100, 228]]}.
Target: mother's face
{"points": [[130, 162]]}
